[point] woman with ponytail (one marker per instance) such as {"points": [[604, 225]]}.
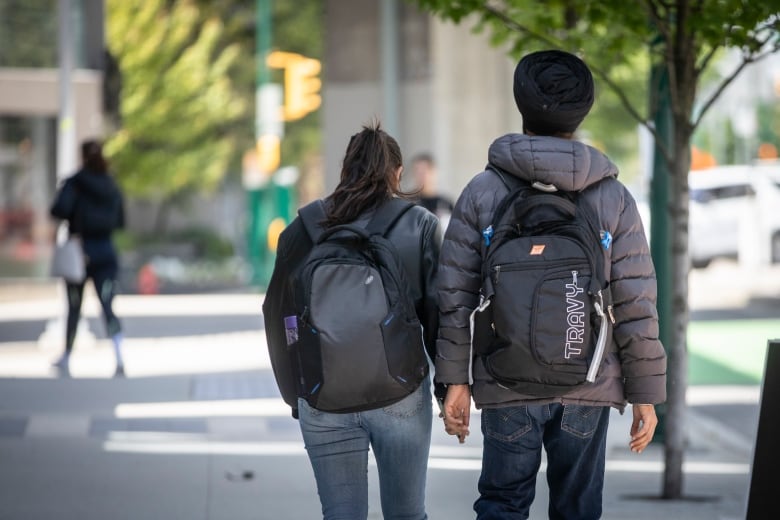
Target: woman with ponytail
{"points": [[91, 203], [399, 431]]}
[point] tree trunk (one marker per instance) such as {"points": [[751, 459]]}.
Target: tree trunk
{"points": [[677, 367]]}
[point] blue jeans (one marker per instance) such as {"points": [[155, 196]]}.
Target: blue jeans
{"points": [[338, 443], [574, 438]]}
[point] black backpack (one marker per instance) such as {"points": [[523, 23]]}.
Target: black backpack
{"points": [[355, 334], [542, 326]]}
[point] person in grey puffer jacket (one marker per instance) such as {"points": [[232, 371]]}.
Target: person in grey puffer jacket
{"points": [[554, 92]]}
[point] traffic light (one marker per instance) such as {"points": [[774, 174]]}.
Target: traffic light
{"points": [[301, 83], [301, 88]]}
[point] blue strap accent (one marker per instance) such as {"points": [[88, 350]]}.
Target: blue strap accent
{"points": [[487, 234], [606, 239]]}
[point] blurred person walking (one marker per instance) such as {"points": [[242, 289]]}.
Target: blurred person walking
{"points": [[426, 176], [91, 203], [554, 91], [396, 425]]}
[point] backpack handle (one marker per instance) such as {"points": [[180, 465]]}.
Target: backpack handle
{"points": [[358, 231], [385, 217], [565, 206]]}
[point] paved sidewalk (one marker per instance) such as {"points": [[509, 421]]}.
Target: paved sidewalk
{"points": [[159, 448], [197, 431]]}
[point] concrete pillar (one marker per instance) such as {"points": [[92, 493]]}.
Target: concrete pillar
{"points": [[454, 94], [471, 99]]}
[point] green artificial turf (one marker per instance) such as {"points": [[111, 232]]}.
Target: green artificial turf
{"points": [[729, 352]]}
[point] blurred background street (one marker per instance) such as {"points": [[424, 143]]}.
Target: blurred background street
{"points": [[220, 118], [196, 429]]}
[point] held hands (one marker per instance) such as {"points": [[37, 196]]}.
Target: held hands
{"points": [[642, 427], [456, 410]]}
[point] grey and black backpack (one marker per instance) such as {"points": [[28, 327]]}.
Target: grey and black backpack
{"points": [[543, 323], [356, 336]]}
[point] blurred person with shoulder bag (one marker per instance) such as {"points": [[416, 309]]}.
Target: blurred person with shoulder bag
{"points": [[91, 203]]}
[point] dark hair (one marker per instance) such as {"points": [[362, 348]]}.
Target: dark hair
{"points": [[92, 157], [368, 176]]}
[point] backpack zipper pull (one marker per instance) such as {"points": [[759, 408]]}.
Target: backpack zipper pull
{"points": [[498, 271], [601, 341]]}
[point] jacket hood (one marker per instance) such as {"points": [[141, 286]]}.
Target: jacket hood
{"points": [[95, 184], [568, 165]]}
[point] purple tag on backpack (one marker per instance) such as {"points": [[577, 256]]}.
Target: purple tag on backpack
{"points": [[291, 329]]}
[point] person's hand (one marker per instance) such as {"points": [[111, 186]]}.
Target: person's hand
{"points": [[456, 411], [642, 427]]}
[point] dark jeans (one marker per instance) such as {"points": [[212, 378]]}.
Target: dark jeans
{"points": [[574, 438], [102, 269]]}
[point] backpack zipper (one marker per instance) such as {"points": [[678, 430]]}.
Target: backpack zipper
{"points": [[523, 266]]}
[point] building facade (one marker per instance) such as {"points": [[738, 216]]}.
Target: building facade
{"points": [[30, 108]]}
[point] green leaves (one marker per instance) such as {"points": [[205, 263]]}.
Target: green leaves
{"points": [[609, 35], [618, 38], [177, 98]]}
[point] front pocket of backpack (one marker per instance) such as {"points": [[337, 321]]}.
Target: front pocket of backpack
{"points": [[561, 329], [404, 349], [347, 305]]}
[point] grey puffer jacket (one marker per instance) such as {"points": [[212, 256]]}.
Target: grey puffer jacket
{"points": [[635, 368]]}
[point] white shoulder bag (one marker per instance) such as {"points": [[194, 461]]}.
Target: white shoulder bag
{"points": [[68, 260]]}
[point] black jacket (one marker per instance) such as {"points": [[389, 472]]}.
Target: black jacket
{"points": [[91, 203], [417, 237]]}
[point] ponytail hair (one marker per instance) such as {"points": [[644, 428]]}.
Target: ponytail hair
{"points": [[368, 176], [92, 157]]}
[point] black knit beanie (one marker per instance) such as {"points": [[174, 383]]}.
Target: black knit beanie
{"points": [[553, 91]]}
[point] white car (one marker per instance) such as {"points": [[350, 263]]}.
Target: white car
{"points": [[735, 213]]}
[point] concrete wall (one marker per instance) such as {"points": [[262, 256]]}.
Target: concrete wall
{"points": [[472, 101], [454, 90]]}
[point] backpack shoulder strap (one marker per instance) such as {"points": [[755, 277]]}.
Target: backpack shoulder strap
{"points": [[387, 215], [510, 181], [589, 214], [312, 216], [514, 185]]}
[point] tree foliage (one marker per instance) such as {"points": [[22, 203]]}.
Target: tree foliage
{"points": [[681, 39], [683, 35], [178, 103]]}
